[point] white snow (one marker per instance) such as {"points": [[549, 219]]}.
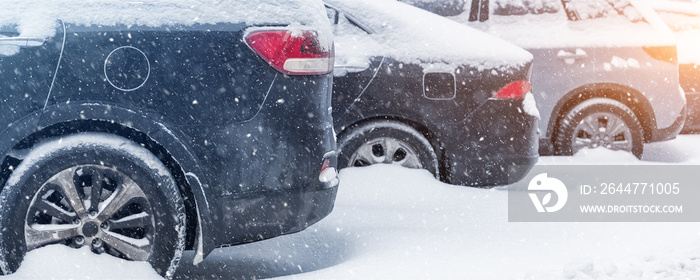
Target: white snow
{"points": [[530, 106], [395, 223], [63, 262], [684, 20], [604, 27], [412, 35], [38, 18]]}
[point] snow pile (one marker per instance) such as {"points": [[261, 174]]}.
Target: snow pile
{"points": [[395, 223], [63, 262], [555, 30], [588, 156], [679, 263], [412, 35], [530, 106], [621, 63], [38, 18]]}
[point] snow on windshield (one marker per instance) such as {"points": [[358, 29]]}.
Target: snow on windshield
{"points": [[411, 35], [612, 24], [37, 18]]}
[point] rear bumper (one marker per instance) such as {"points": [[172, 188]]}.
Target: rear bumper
{"points": [[672, 131], [496, 145], [265, 215], [692, 119]]}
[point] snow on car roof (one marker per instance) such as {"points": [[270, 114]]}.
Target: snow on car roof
{"points": [[553, 29], [37, 18], [412, 35]]}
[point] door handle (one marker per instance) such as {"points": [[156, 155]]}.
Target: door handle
{"points": [[568, 55], [571, 56], [23, 42]]}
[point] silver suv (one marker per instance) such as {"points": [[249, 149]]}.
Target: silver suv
{"points": [[605, 72]]}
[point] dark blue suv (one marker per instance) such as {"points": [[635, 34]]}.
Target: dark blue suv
{"points": [[144, 129]]}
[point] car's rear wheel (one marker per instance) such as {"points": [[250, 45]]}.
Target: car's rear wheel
{"points": [[97, 191], [388, 142], [599, 123]]}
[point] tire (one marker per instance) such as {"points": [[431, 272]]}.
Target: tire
{"points": [[371, 143], [599, 122], [48, 200]]}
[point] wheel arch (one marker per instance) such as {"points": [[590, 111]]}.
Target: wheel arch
{"points": [[630, 97], [139, 127]]}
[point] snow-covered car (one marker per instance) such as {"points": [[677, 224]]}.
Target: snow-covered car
{"points": [[440, 7], [415, 89], [142, 129], [605, 71], [683, 18]]}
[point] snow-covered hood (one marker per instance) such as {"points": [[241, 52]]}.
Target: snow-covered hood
{"points": [[37, 18], [412, 35]]}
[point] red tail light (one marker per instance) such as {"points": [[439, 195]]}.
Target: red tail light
{"points": [[292, 54], [514, 90]]}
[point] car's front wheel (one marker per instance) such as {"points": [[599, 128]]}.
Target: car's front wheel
{"points": [[599, 123], [387, 142], [97, 191]]}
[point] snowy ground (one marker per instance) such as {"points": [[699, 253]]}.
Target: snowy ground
{"points": [[395, 223]]}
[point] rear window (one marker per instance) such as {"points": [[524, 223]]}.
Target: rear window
{"points": [[575, 9], [520, 7]]}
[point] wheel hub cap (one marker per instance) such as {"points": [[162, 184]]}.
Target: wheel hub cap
{"points": [[602, 129], [90, 229], [92, 205], [385, 150]]}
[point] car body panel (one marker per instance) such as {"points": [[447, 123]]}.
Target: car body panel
{"points": [[450, 104], [38, 62], [248, 141], [683, 18], [585, 54]]}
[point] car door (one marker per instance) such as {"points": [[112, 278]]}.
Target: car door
{"points": [[27, 68], [354, 69], [581, 44], [560, 65]]}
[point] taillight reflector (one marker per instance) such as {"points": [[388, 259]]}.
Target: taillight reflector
{"points": [[514, 90], [328, 173], [292, 54]]}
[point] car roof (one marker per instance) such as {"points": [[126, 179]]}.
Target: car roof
{"points": [[38, 17]]}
